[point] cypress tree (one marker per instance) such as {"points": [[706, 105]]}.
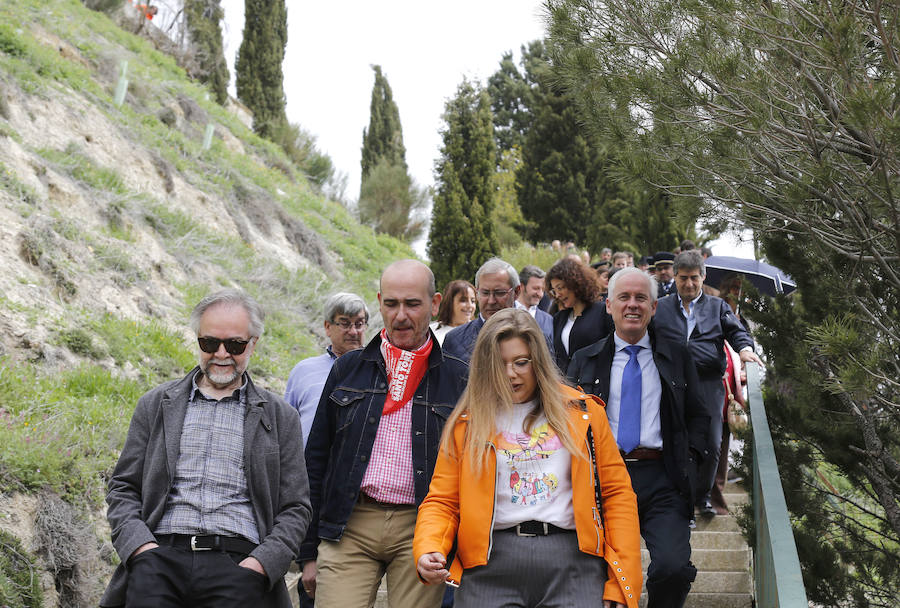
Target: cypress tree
{"points": [[203, 19], [383, 139], [389, 201], [259, 77], [462, 234]]}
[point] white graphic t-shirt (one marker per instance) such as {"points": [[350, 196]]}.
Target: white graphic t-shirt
{"points": [[534, 472]]}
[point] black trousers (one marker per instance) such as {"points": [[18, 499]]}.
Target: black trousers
{"points": [[664, 516], [174, 577], [712, 392]]}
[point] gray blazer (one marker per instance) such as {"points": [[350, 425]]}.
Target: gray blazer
{"points": [[274, 465]]}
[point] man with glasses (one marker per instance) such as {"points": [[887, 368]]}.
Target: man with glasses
{"points": [[209, 499], [346, 318], [497, 287]]}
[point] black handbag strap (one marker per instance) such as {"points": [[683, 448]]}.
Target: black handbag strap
{"points": [[598, 495]]}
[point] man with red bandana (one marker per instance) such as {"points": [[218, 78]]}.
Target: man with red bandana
{"points": [[372, 450]]}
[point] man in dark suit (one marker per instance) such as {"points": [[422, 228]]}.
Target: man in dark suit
{"points": [[532, 280], [665, 278], [654, 410], [497, 287], [703, 322]]}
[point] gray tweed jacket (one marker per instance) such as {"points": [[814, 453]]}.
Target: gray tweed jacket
{"points": [[273, 461]]}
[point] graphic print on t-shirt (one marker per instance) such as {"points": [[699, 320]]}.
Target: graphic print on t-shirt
{"points": [[527, 457]]}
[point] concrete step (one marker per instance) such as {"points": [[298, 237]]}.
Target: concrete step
{"points": [[717, 540], [713, 600], [724, 560], [721, 582], [712, 583], [719, 523]]}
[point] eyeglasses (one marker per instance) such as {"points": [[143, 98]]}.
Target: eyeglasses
{"points": [[346, 324], [233, 346], [554, 291], [519, 365], [498, 294]]}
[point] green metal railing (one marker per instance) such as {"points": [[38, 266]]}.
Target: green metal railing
{"points": [[776, 568]]}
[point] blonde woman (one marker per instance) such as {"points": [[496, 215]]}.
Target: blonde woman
{"points": [[521, 511]]}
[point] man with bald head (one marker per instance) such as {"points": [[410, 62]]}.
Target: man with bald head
{"points": [[372, 450]]}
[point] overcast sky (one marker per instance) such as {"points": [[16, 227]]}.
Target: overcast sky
{"points": [[424, 48]]}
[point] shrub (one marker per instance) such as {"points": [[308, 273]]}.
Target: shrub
{"points": [[19, 582]]}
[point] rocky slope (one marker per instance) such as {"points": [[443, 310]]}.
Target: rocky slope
{"points": [[115, 220]]}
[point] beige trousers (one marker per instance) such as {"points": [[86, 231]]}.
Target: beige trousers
{"points": [[376, 541]]}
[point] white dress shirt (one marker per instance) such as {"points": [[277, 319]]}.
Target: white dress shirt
{"points": [[651, 392]]}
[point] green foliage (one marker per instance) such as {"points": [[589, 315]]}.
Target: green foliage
{"points": [[781, 117], [259, 77], [80, 342], [300, 147], [32, 65], [522, 254], [391, 203], [507, 217], [73, 162], [20, 585], [204, 19], [383, 139], [61, 430], [462, 235]]}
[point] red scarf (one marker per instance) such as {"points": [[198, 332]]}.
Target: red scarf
{"points": [[405, 369]]}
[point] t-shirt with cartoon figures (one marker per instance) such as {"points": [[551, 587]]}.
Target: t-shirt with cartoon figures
{"points": [[534, 472]]}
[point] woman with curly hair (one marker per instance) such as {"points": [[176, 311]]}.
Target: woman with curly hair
{"points": [[457, 308], [530, 504], [581, 319]]}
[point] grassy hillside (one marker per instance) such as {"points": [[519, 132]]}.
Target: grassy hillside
{"points": [[115, 221]]}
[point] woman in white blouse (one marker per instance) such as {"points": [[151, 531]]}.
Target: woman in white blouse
{"points": [[457, 307], [530, 504]]}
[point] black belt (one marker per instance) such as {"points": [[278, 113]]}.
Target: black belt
{"points": [[641, 454], [535, 528], [207, 542], [365, 499]]}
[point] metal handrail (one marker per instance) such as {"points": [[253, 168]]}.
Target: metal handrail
{"points": [[778, 582]]}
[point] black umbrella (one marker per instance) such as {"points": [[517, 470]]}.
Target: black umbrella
{"points": [[766, 278]]}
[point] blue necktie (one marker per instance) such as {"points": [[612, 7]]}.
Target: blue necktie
{"points": [[630, 402]]}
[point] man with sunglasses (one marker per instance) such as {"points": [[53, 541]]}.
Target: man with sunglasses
{"points": [[497, 287], [209, 499]]}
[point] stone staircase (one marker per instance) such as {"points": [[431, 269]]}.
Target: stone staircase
{"points": [[722, 558], [718, 550]]}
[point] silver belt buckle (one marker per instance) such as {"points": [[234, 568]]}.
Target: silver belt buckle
{"points": [[194, 546], [526, 534]]}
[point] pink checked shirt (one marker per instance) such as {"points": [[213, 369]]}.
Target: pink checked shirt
{"points": [[389, 476]]}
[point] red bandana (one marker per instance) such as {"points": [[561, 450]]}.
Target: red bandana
{"points": [[405, 369]]}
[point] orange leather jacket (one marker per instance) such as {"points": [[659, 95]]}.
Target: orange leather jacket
{"points": [[460, 505]]}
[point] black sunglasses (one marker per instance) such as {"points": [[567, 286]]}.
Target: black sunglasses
{"points": [[233, 346]]}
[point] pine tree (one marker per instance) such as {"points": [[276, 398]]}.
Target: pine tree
{"points": [[563, 173], [204, 18], [782, 117], [259, 76], [383, 139], [462, 234]]}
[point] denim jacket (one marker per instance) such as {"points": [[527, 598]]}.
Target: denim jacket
{"points": [[343, 432]]}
